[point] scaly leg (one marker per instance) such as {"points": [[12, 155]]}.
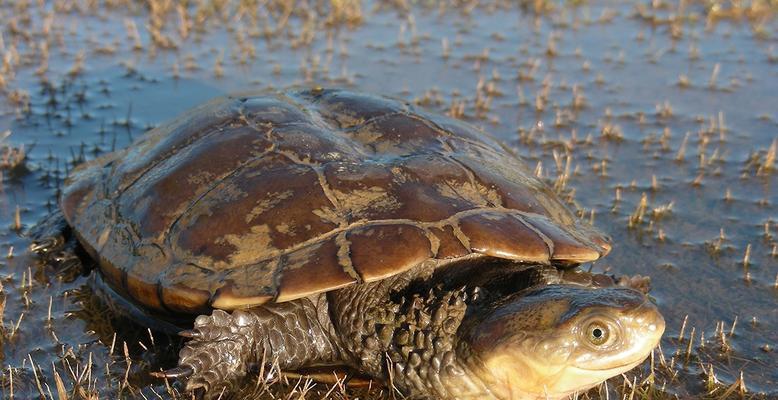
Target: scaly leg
{"points": [[223, 346]]}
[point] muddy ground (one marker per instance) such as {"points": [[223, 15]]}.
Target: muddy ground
{"points": [[657, 119]]}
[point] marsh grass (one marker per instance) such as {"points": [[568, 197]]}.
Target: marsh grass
{"points": [[110, 358], [118, 366], [12, 157]]}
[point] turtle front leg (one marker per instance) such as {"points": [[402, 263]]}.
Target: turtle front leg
{"points": [[219, 352], [223, 346]]}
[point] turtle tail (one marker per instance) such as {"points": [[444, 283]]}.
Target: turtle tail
{"points": [[50, 235]]}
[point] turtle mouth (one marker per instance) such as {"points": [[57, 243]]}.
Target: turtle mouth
{"points": [[570, 381], [552, 381], [614, 370]]}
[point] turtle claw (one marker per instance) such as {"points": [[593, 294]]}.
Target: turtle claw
{"points": [[191, 334], [181, 371], [217, 354], [43, 246]]}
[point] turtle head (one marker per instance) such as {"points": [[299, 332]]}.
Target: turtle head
{"points": [[556, 340]]}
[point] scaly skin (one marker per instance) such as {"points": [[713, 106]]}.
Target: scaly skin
{"points": [[417, 342], [223, 346], [410, 342], [427, 342], [360, 327]]}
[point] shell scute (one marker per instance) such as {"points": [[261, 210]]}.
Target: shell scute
{"points": [[311, 267], [449, 245], [166, 191], [397, 135], [496, 234], [565, 247], [269, 111], [511, 185], [423, 188], [346, 109], [310, 144], [179, 295], [459, 132], [255, 283], [378, 251], [139, 288], [252, 214], [262, 198], [165, 141], [81, 189]]}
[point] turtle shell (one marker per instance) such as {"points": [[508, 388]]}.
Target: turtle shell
{"points": [[271, 197]]}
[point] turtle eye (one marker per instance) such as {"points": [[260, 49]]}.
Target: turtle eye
{"points": [[597, 333]]}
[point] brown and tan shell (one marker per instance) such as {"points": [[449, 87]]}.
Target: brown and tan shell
{"points": [[257, 198]]}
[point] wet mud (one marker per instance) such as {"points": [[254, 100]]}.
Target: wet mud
{"points": [[655, 120]]}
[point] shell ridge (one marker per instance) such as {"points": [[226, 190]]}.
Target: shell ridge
{"points": [[429, 121], [473, 178], [344, 257], [549, 243], [169, 155], [214, 184], [434, 242], [450, 221], [325, 186], [160, 295], [463, 239]]}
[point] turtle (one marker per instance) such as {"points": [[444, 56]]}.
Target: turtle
{"points": [[323, 227]]}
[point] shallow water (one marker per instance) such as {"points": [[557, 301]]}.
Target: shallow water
{"points": [[614, 102]]}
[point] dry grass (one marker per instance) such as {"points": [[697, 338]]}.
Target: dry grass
{"points": [[84, 380], [32, 38], [118, 367], [762, 162], [11, 157]]}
